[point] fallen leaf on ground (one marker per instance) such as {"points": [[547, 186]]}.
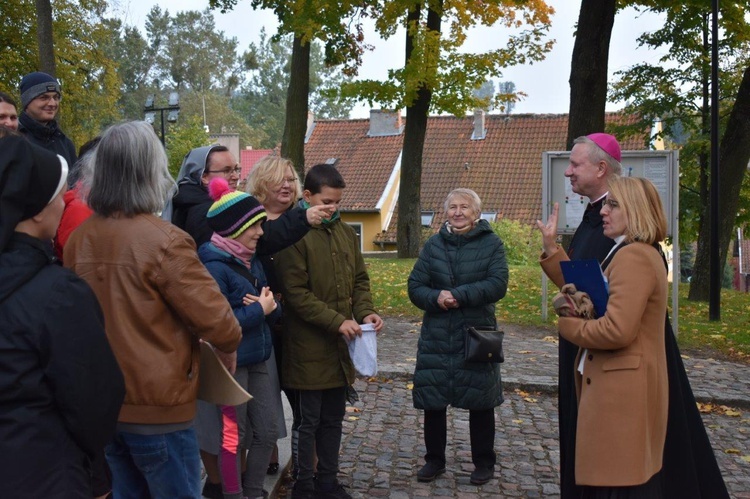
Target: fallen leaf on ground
{"points": [[351, 408], [718, 409], [732, 451], [728, 411], [410, 386], [704, 408]]}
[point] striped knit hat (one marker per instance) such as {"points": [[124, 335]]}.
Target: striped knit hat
{"points": [[233, 211]]}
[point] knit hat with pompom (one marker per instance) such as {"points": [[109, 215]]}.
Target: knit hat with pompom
{"points": [[233, 211]]}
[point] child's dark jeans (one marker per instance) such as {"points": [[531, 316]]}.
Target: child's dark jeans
{"points": [[321, 414]]}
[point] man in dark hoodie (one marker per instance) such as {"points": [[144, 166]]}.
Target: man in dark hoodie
{"points": [[40, 101], [61, 388]]}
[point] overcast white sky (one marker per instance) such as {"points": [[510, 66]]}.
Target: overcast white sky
{"points": [[545, 83]]}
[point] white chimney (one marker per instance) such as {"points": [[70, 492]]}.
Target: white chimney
{"points": [[310, 125], [384, 123], [479, 130]]}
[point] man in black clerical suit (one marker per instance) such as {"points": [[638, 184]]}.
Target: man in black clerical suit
{"points": [[689, 470], [593, 160]]}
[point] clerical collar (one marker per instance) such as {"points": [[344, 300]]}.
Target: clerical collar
{"points": [[592, 203]]}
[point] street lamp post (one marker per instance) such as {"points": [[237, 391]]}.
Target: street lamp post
{"points": [[173, 108]]}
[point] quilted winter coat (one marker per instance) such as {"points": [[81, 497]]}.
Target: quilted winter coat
{"points": [[472, 267], [256, 341]]}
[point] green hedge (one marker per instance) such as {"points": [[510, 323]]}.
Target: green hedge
{"points": [[523, 243]]}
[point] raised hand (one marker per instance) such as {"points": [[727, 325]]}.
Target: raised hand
{"points": [[549, 231]]}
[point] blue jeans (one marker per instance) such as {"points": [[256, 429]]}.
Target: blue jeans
{"points": [[165, 466]]}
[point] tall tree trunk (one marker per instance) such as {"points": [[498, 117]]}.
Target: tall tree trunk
{"points": [[700, 287], [44, 36], [409, 228], [734, 154], [295, 126], [588, 74]]}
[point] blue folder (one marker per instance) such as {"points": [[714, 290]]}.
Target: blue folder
{"points": [[588, 277]]}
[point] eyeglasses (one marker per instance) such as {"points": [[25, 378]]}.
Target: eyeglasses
{"points": [[611, 203], [289, 180], [227, 171]]}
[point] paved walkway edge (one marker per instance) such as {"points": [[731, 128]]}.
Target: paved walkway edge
{"points": [[548, 385]]}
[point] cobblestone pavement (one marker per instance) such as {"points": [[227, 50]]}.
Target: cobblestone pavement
{"points": [[383, 446]]}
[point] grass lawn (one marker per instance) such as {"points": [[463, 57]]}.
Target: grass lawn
{"points": [[522, 306]]}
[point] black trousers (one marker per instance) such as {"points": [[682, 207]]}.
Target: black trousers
{"points": [[567, 407], [321, 416], [481, 433]]}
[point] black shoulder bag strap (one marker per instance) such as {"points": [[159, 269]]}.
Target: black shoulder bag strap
{"points": [[609, 258], [244, 272]]}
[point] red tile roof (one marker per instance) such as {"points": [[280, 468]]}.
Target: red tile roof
{"points": [[504, 168], [365, 162], [248, 158]]}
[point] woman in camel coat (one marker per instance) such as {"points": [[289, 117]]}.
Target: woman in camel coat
{"points": [[621, 372]]}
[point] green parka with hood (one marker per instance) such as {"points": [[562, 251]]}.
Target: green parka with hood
{"points": [[472, 267]]}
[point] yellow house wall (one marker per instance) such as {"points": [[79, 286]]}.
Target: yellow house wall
{"points": [[371, 224]]}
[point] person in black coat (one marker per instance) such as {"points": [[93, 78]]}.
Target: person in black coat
{"points": [[690, 470], [61, 388], [590, 167], [40, 103]]}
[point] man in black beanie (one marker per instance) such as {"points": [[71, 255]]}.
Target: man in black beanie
{"points": [[40, 102], [61, 388]]}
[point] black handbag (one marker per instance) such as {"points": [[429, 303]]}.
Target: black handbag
{"points": [[484, 344]]}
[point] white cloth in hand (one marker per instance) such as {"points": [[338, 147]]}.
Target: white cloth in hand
{"points": [[364, 351]]}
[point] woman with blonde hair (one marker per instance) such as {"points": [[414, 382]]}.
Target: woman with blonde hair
{"points": [[621, 368], [639, 433], [274, 182]]}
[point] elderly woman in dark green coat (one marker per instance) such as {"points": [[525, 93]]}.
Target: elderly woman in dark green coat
{"points": [[460, 274]]}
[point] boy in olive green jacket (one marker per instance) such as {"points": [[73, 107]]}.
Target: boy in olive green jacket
{"points": [[326, 297]]}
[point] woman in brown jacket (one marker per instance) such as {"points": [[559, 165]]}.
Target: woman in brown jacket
{"points": [[621, 371]]}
